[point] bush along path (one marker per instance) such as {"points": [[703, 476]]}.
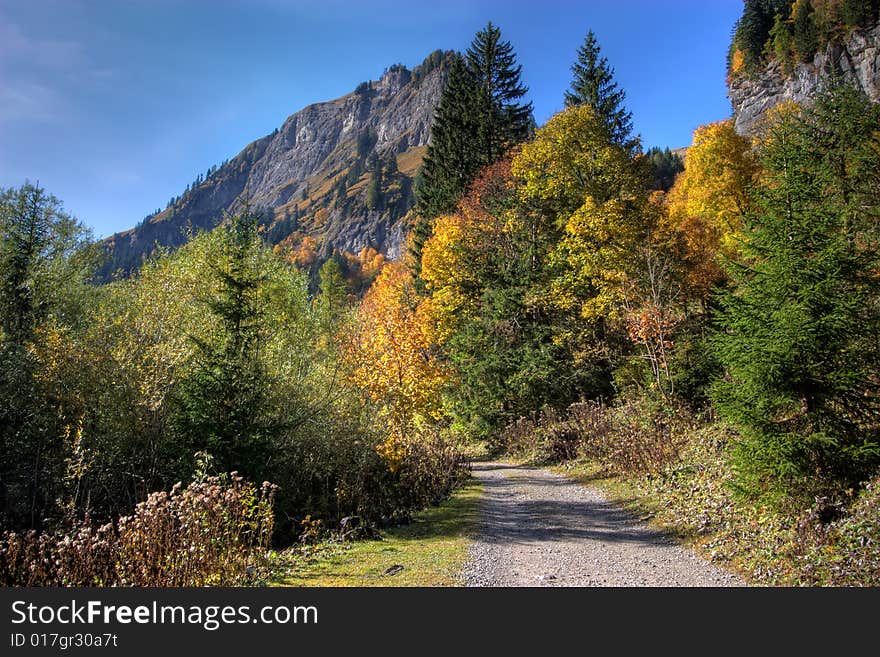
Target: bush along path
{"points": [[538, 528]]}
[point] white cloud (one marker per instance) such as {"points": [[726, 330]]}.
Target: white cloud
{"points": [[28, 101]]}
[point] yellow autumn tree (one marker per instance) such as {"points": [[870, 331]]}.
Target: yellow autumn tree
{"points": [[706, 205], [390, 357], [464, 248], [445, 276], [571, 158], [614, 269], [595, 194]]}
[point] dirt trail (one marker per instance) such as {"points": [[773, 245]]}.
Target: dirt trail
{"points": [[541, 529]]}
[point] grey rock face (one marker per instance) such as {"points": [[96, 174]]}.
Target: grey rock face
{"points": [[312, 146], [320, 136], [857, 58]]}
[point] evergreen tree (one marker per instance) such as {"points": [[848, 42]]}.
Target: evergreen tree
{"points": [[478, 118], [505, 121], [753, 31], [37, 243], [781, 42], [452, 158], [374, 188], [593, 84], [26, 218], [799, 333], [666, 166], [222, 404], [332, 300], [366, 141], [805, 36]]}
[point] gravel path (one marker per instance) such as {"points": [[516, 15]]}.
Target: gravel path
{"points": [[541, 529]]}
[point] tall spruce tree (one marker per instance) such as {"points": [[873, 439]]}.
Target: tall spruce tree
{"points": [[800, 332], [753, 30], [478, 118], [491, 62], [452, 158], [593, 84], [223, 403]]}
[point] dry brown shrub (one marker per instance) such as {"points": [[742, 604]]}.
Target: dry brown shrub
{"points": [[214, 532]]}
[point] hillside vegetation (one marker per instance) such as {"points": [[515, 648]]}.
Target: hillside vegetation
{"points": [[792, 31], [705, 336], [336, 178]]}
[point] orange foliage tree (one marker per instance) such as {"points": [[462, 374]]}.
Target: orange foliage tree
{"points": [[391, 359], [706, 205]]}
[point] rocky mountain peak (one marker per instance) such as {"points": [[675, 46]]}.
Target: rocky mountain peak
{"points": [[310, 177]]}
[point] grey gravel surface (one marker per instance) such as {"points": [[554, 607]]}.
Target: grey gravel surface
{"points": [[538, 528]]}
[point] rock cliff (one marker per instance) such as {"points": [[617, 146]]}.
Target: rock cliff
{"points": [[337, 175], [856, 57]]}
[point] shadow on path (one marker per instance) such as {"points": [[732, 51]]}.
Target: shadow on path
{"points": [[512, 517]]}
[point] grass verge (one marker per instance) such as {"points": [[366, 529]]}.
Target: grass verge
{"points": [[432, 550]]}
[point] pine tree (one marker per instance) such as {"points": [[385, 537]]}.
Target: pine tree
{"points": [[26, 218], [452, 158], [478, 118], [780, 41], [492, 64], [593, 84], [666, 165], [222, 404], [374, 188], [37, 240], [753, 30], [799, 333], [805, 36]]}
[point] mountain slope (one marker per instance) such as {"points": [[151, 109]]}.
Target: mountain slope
{"points": [[337, 175], [854, 57]]}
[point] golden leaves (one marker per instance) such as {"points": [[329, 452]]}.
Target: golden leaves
{"points": [[391, 358], [706, 205]]}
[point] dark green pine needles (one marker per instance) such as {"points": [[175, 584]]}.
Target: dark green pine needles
{"points": [[223, 405], [593, 84], [799, 331], [478, 118]]}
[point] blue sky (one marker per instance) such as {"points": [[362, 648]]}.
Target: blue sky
{"points": [[114, 106]]}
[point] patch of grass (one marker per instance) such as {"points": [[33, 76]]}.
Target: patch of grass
{"points": [[432, 550], [408, 162]]}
